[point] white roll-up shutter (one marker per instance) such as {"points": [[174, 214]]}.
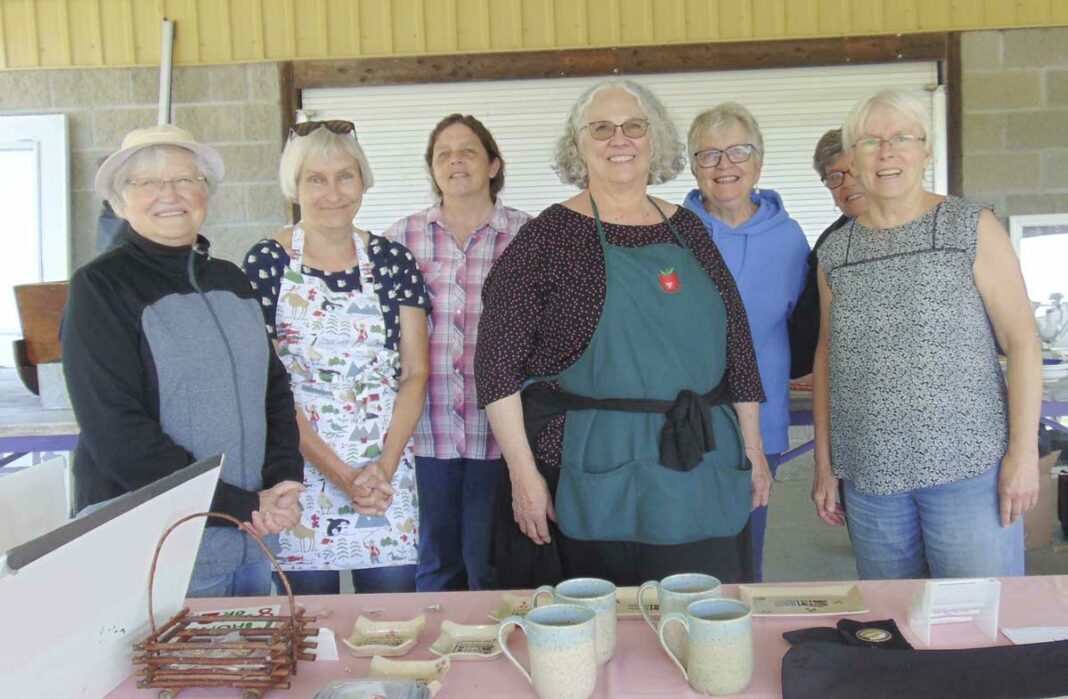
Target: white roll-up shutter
{"points": [[794, 106]]}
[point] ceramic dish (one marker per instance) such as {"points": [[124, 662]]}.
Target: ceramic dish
{"points": [[429, 672], [803, 600], [627, 602], [387, 638], [464, 642], [511, 605]]}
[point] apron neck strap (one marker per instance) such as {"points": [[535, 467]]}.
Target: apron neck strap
{"points": [[600, 226]]}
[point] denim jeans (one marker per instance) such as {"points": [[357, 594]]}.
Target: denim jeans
{"points": [[456, 500], [252, 580], [366, 581], [759, 523], [942, 531]]}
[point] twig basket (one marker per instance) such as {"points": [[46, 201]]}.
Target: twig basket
{"points": [[185, 653]]}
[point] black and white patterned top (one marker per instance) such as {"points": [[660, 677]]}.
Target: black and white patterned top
{"points": [[917, 398], [398, 281]]}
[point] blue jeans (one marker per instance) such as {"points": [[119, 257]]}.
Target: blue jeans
{"points": [[456, 499], [942, 531], [367, 581], [252, 580], [758, 525]]}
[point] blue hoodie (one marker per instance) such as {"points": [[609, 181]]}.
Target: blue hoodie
{"points": [[768, 256]]}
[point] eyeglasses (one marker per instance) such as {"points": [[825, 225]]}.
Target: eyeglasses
{"points": [[155, 185], [338, 126], [833, 180], [604, 130], [900, 142], [739, 153]]}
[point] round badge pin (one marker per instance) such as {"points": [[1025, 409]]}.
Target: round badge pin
{"points": [[874, 635]]}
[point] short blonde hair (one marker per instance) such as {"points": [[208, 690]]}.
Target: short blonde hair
{"points": [[895, 101], [152, 156], [666, 159], [321, 142], [722, 116]]}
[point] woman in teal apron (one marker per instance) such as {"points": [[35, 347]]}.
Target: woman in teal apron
{"points": [[635, 447], [347, 310]]}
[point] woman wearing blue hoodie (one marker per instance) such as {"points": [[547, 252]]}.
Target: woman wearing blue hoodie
{"points": [[766, 252]]}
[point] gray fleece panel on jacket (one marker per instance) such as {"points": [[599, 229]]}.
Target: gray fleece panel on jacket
{"points": [[211, 357]]}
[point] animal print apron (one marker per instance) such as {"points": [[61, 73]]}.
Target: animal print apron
{"points": [[345, 379]]}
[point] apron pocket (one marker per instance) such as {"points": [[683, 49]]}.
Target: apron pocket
{"points": [[679, 507], [597, 506]]}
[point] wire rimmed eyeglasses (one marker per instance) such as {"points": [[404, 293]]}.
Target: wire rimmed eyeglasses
{"points": [[155, 185], [604, 130], [897, 142], [738, 153]]}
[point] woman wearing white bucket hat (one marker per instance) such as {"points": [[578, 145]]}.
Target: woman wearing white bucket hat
{"points": [[167, 362]]}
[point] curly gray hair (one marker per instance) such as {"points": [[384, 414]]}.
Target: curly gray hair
{"points": [[666, 158]]}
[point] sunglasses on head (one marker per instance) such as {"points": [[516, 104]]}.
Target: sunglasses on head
{"points": [[338, 126]]}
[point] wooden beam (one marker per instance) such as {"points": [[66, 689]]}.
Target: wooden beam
{"points": [[620, 61]]}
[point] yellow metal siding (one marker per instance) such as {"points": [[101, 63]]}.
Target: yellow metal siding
{"points": [[60, 33]]}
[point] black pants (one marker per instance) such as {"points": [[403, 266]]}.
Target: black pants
{"points": [[523, 564]]}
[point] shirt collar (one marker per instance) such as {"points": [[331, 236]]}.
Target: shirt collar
{"points": [[498, 220]]}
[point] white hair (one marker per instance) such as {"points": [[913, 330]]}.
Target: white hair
{"points": [[902, 104], [666, 159], [723, 116], [154, 156], [322, 143]]}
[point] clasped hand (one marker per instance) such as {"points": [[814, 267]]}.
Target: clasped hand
{"points": [[370, 489], [279, 508]]}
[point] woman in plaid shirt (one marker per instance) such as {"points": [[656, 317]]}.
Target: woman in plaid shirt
{"points": [[456, 241]]}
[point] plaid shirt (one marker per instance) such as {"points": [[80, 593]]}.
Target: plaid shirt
{"points": [[452, 426]]}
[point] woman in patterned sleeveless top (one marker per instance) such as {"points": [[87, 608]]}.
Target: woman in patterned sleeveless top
{"points": [[938, 459]]}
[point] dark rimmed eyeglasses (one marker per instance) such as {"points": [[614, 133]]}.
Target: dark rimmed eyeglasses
{"points": [[833, 180], [338, 126], [736, 154], [604, 130]]}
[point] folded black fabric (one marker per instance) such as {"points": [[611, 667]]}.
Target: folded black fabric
{"points": [[882, 634], [837, 671]]}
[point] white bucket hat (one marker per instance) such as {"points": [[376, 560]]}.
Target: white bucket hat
{"points": [[159, 135]]}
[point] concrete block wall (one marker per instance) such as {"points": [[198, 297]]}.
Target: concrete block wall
{"points": [[235, 108], [1015, 97]]}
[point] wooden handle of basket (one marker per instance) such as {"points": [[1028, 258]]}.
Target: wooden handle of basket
{"points": [[240, 525]]}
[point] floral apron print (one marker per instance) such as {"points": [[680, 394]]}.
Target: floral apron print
{"points": [[344, 378]]}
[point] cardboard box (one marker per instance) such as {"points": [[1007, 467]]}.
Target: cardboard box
{"points": [[1040, 522]]}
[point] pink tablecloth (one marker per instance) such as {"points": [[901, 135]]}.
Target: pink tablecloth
{"points": [[639, 668]]}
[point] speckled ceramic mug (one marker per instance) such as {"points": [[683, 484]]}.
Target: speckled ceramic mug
{"points": [[719, 645], [562, 650], [595, 593], [674, 594]]}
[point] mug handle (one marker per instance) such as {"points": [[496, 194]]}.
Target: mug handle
{"points": [[664, 621], [543, 590], [502, 640], [646, 614]]}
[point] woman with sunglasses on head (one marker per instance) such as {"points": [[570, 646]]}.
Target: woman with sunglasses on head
{"points": [[766, 252], [938, 462], [616, 364], [347, 310]]}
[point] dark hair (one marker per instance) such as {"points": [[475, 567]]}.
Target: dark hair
{"points": [[492, 151]]}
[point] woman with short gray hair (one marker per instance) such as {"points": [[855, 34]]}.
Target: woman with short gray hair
{"points": [[764, 249], [937, 458], [167, 362], [617, 313]]}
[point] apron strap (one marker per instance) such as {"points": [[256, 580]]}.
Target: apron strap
{"points": [[684, 440], [296, 249], [363, 263], [600, 227]]}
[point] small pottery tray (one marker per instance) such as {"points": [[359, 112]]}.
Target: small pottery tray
{"points": [[463, 642], [803, 600], [429, 672], [627, 602], [386, 638], [511, 605]]}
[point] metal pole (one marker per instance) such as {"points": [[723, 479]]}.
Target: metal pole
{"points": [[166, 62]]}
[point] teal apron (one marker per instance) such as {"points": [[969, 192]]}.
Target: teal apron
{"points": [[661, 340]]}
